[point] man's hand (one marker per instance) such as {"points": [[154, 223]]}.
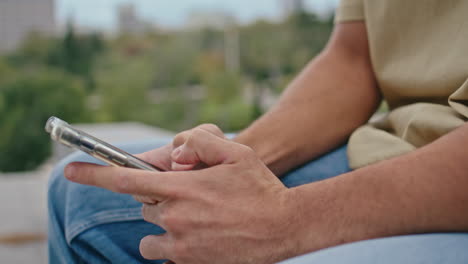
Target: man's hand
{"points": [[234, 211], [163, 157], [183, 157], [169, 157]]}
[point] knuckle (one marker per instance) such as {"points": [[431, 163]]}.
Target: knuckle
{"points": [[247, 155], [196, 133], [170, 220], [145, 211], [176, 193], [139, 198], [247, 152], [181, 250], [180, 139], [212, 128], [122, 182], [166, 218]]}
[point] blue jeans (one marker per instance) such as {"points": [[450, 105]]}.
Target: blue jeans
{"points": [[92, 225]]}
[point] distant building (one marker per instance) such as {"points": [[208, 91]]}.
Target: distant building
{"points": [[223, 21], [18, 18], [130, 22], [214, 19], [290, 7]]}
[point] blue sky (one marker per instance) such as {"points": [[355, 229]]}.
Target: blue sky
{"points": [[172, 13]]}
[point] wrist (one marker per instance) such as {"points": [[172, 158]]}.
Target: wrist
{"points": [[324, 218], [302, 218], [275, 154]]}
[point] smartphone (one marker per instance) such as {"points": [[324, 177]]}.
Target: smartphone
{"points": [[65, 134]]}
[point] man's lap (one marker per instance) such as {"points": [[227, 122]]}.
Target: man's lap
{"points": [[101, 225], [94, 220], [414, 249]]}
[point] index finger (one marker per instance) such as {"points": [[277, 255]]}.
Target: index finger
{"points": [[123, 180]]}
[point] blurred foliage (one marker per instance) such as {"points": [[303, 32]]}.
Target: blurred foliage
{"points": [[234, 115], [27, 101], [222, 87], [77, 55], [116, 77], [170, 79]]}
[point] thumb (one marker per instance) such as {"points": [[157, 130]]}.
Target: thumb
{"points": [[183, 159], [204, 147]]}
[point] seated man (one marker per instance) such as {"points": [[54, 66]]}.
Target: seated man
{"points": [[221, 201]]}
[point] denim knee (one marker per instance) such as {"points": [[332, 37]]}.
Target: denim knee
{"points": [[57, 185]]}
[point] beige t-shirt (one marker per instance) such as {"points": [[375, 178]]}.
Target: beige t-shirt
{"points": [[419, 51]]}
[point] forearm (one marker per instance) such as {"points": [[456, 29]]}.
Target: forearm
{"points": [[424, 191], [335, 94]]}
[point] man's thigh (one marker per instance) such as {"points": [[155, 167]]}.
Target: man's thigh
{"points": [[415, 249], [97, 225]]}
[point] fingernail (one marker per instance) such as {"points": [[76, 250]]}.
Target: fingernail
{"points": [[69, 172]]}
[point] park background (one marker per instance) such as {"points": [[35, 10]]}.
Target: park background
{"points": [[114, 66]]}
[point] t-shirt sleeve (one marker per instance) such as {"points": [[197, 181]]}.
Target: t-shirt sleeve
{"points": [[350, 10]]}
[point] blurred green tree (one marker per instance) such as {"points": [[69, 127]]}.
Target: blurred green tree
{"points": [[307, 34], [222, 87], [261, 49], [77, 54], [28, 101], [233, 116], [174, 62], [122, 88]]}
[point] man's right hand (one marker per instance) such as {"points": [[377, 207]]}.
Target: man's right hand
{"points": [[172, 157]]}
